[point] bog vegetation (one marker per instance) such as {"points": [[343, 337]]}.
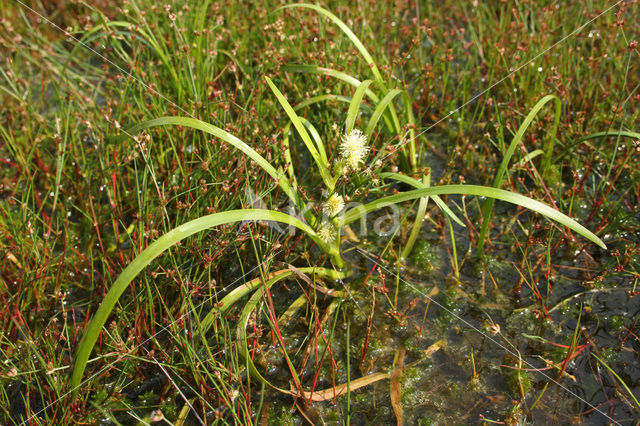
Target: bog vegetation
{"points": [[277, 213]]}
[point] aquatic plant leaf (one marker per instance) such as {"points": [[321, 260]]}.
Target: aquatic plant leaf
{"points": [[302, 131], [354, 106], [251, 305], [418, 185], [626, 387], [321, 98], [342, 76], [380, 109], [154, 250], [248, 287], [219, 133], [483, 191], [610, 133], [345, 29], [487, 206]]}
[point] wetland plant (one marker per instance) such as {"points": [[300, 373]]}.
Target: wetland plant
{"points": [[352, 176], [323, 229]]}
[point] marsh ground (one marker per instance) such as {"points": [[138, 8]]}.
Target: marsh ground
{"points": [[541, 329]]}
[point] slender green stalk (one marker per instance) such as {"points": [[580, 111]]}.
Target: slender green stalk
{"points": [[321, 98], [354, 106], [626, 387], [619, 133], [314, 69], [297, 123], [456, 268], [241, 333], [241, 291], [381, 107], [348, 346], [417, 224]]}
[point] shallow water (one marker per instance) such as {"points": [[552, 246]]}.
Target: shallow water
{"points": [[488, 316]]}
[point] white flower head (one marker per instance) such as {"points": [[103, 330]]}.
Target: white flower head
{"points": [[333, 205], [354, 149], [326, 232]]}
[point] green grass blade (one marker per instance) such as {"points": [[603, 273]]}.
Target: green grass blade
{"points": [[314, 69], [502, 170], [408, 105], [365, 54], [635, 400], [354, 106], [199, 22], [233, 59], [107, 29], [487, 206], [622, 133], [345, 29], [390, 122], [241, 291], [316, 138], [419, 185], [482, 191], [417, 223], [452, 236], [302, 131], [380, 109], [551, 137], [321, 98], [260, 289], [241, 334], [527, 158], [292, 369], [225, 136], [618, 133], [154, 250], [287, 158]]}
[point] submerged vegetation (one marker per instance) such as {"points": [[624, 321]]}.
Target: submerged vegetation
{"points": [[273, 213]]}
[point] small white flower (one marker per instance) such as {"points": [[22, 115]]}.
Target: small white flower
{"points": [[326, 233], [354, 149], [333, 205]]}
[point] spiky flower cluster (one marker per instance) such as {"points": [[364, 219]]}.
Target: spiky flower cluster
{"points": [[326, 232], [354, 149], [333, 205]]}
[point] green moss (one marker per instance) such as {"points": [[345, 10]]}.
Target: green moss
{"points": [[616, 323], [425, 256], [148, 398], [518, 381], [609, 354], [426, 421], [170, 409], [450, 301], [412, 373], [282, 417], [332, 416], [501, 269]]}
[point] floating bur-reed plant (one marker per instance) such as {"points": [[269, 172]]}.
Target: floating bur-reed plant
{"points": [[323, 229]]}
